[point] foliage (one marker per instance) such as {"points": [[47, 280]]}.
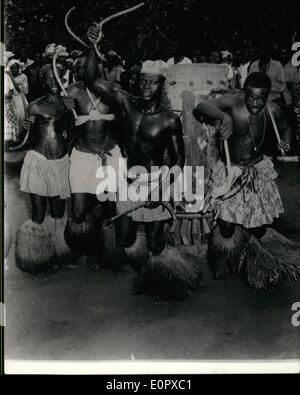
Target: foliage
{"points": [[197, 23]]}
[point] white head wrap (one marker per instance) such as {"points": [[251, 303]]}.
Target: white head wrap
{"points": [[112, 53], [8, 54], [52, 49], [157, 67], [62, 51], [12, 62]]}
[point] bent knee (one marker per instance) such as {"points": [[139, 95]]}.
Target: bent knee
{"points": [[258, 232], [38, 219], [57, 212], [155, 245], [78, 217], [226, 229], [125, 241]]}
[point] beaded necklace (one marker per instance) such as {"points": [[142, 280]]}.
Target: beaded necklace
{"points": [[256, 146]]}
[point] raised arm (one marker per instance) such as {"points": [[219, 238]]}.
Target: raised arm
{"points": [[66, 122], [94, 37], [109, 94], [29, 122], [218, 109]]}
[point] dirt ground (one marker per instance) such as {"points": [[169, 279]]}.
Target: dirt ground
{"points": [[77, 314]]}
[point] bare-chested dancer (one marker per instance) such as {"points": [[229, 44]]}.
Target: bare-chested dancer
{"points": [[94, 146], [45, 177], [253, 201], [149, 130]]}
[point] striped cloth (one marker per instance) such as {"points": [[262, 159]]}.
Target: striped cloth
{"points": [[142, 214], [256, 202]]}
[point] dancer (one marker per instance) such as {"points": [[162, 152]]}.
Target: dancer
{"points": [[149, 129], [253, 200], [45, 177], [94, 146], [152, 136]]}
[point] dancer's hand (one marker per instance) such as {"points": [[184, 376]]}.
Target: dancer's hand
{"points": [[284, 146], [152, 205], [226, 127], [94, 34], [69, 103], [207, 205], [26, 124]]}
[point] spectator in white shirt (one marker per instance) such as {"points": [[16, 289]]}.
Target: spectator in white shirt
{"points": [[179, 57], [275, 71]]}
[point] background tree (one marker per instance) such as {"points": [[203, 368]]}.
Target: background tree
{"points": [[149, 31]]}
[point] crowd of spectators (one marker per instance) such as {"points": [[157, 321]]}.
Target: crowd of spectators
{"points": [[23, 73]]}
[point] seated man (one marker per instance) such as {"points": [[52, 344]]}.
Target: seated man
{"points": [[254, 199]]}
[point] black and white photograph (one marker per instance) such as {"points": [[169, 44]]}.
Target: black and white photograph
{"points": [[151, 178]]}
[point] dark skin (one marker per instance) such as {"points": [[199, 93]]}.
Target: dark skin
{"points": [[236, 112], [134, 82], [265, 58], [47, 121], [79, 68], [214, 57], [15, 70], [199, 57], [23, 55], [93, 136], [149, 130]]}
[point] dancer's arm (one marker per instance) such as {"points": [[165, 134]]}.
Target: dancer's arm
{"points": [[217, 109], [175, 149], [110, 94]]}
